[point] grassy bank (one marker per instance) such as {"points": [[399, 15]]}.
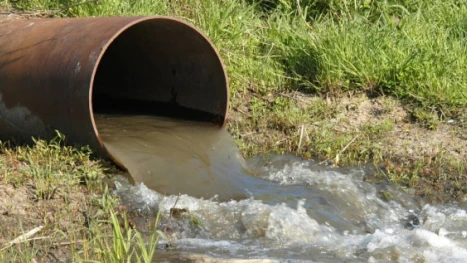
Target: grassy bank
{"points": [[55, 207], [297, 68], [349, 82], [412, 50]]}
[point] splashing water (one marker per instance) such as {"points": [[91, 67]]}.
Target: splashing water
{"points": [[176, 156], [294, 211], [345, 219]]}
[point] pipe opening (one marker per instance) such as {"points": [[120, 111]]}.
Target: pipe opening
{"points": [[161, 66], [102, 81]]}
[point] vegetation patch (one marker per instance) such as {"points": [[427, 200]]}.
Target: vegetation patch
{"points": [[294, 65], [348, 82], [55, 206]]}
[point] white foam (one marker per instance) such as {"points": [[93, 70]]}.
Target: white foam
{"points": [[138, 194], [251, 227], [287, 224]]}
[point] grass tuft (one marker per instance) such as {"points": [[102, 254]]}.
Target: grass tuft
{"points": [[50, 166], [287, 61], [413, 50], [60, 191]]}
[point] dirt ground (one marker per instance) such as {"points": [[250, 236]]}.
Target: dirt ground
{"points": [[406, 140], [57, 221], [68, 213], [437, 155], [8, 14], [21, 213]]}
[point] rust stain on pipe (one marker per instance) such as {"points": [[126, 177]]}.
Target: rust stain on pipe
{"points": [[55, 73]]}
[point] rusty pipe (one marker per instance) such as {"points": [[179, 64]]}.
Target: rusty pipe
{"points": [[55, 73]]}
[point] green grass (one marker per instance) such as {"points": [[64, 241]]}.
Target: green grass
{"points": [[126, 244], [50, 166], [61, 191], [414, 50]]}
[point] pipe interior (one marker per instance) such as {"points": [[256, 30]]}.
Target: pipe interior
{"points": [[163, 67]]}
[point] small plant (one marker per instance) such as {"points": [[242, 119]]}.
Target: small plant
{"points": [[127, 244], [52, 165], [427, 119]]}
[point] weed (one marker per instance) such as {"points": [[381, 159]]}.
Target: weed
{"points": [[412, 51], [126, 244], [56, 175], [428, 119]]}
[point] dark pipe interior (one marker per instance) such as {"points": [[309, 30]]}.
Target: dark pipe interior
{"points": [[161, 67]]}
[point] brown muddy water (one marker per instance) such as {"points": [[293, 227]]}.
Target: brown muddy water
{"points": [[174, 156], [281, 208]]}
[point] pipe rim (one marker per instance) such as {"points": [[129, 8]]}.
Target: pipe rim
{"points": [[114, 37]]}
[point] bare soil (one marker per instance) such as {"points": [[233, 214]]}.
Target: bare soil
{"points": [[8, 13], [407, 140], [436, 155], [407, 143], [62, 222]]}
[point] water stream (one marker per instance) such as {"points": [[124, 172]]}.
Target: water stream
{"points": [[281, 208]]}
